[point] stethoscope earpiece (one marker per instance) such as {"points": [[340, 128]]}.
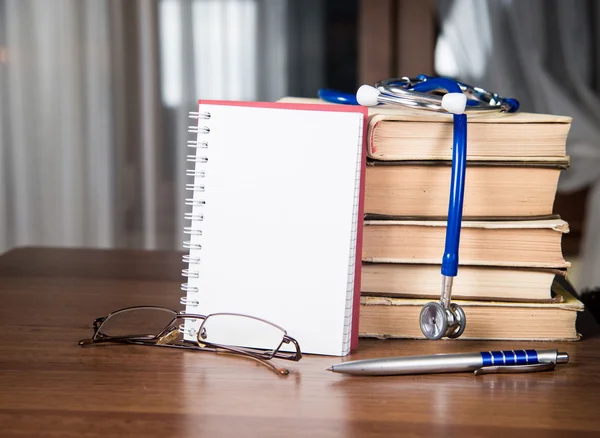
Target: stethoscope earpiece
{"points": [[454, 103], [367, 95]]}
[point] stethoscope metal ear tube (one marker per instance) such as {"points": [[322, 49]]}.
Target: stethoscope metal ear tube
{"points": [[443, 318], [416, 93]]}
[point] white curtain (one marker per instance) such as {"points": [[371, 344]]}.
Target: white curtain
{"points": [[94, 96], [546, 53], [55, 130]]}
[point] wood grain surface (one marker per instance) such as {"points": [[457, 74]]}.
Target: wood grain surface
{"points": [[49, 386]]}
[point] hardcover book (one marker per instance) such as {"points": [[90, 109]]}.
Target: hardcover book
{"points": [[384, 317]]}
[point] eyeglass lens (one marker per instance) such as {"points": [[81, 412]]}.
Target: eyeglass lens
{"points": [[241, 331], [221, 329], [139, 321]]}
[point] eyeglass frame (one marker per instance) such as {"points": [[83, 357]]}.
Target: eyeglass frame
{"points": [[98, 337]]}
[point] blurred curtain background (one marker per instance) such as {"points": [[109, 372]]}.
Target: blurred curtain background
{"points": [[94, 94], [94, 97], [546, 53]]}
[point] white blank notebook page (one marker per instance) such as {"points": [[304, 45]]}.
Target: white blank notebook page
{"points": [[279, 220]]}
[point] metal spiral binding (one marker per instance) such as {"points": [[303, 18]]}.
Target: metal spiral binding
{"points": [[189, 245], [194, 187], [199, 115], [187, 259], [200, 159], [196, 173], [187, 288], [197, 144], [194, 217], [199, 129], [192, 201], [197, 159], [183, 330], [192, 231], [189, 302], [190, 274]]}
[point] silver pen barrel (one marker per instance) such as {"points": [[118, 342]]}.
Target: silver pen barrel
{"points": [[439, 363], [436, 363]]}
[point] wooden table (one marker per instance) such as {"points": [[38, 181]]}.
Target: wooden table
{"points": [[49, 386]]}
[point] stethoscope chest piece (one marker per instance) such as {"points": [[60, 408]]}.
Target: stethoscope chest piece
{"points": [[437, 322]]}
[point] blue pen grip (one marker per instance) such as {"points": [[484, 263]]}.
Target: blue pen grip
{"points": [[457, 195], [509, 357]]}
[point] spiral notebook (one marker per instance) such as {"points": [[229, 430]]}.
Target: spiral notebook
{"points": [[276, 220]]}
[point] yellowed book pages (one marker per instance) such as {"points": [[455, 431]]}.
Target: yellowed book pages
{"points": [[401, 133], [422, 188], [409, 280], [487, 243], [384, 317]]}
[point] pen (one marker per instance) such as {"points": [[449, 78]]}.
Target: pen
{"points": [[485, 362]]}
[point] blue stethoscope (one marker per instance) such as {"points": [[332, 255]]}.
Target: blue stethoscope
{"points": [[443, 318]]}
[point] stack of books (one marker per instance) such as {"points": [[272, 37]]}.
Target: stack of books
{"points": [[510, 250]]}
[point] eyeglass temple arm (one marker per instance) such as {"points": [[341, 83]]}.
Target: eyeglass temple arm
{"points": [[149, 340], [263, 355], [267, 363]]}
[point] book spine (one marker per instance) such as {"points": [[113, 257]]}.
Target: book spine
{"points": [[197, 201]]}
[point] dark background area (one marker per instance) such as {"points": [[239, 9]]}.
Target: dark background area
{"points": [[352, 33]]}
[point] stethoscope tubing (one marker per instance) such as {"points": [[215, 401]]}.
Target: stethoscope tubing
{"points": [[457, 195], [418, 97], [334, 96]]}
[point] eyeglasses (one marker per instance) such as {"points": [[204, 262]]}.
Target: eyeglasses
{"points": [[232, 333]]}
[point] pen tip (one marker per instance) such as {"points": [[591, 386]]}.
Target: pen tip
{"points": [[329, 369]]}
